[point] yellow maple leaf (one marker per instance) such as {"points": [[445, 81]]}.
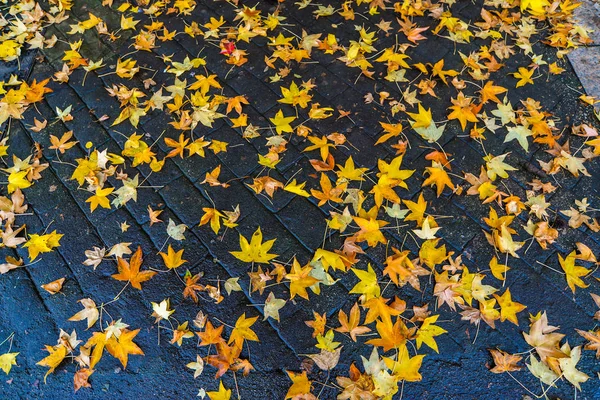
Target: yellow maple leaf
{"points": [[300, 385], [300, 279], [431, 255], [242, 331], [178, 146], [330, 259], [221, 394], [496, 167], [391, 130], [7, 360], [505, 242], [573, 273], [321, 144], [53, 360], [99, 198], [128, 23], [405, 367], [498, 270], [390, 336], [126, 68], [282, 123], [536, 7], [428, 331], [328, 192], [63, 143], [255, 250], [508, 307], [369, 231], [417, 209], [438, 70], [240, 121], [489, 92], [422, 119], [130, 271], [317, 112], [295, 96], [554, 69], [367, 285], [9, 50], [524, 75], [18, 180], [204, 83], [462, 110], [118, 346], [42, 244], [213, 216], [172, 258], [296, 188], [438, 177]]}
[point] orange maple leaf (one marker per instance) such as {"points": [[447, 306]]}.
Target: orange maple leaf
{"points": [[130, 271], [350, 323], [211, 335]]}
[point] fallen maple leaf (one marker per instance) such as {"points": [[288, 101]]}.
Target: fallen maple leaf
{"points": [[7, 360], [428, 331], [300, 279], [90, 313], [255, 250], [504, 362], [54, 286], [300, 385], [573, 273], [53, 360], [130, 271], [63, 143], [172, 258], [350, 323]]}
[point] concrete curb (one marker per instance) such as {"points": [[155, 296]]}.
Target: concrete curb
{"points": [[586, 60]]}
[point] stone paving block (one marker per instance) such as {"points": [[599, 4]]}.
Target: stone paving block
{"points": [[303, 17], [588, 15], [196, 167], [336, 123], [363, 115], [168, 173], [188, 203], [458, 230], [256, 61], [257, 119], [64, 97], [49, 270], [259, 93], [310, 234], [85, 130], [139, 209], [464, 155], [303, 170], [240, 157], [328, 86], [218, 197], [111, 232], [353, 78], [157, 126], [214, 62], [584, 61], [368, 154], [289, 159]]}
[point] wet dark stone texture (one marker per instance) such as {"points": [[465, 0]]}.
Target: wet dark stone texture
{"points": [[460, 371]]}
